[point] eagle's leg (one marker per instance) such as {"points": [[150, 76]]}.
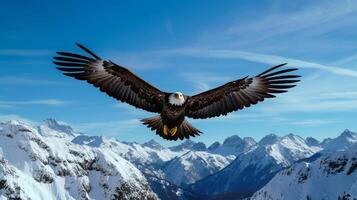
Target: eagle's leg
{"points": [[171, 131]]}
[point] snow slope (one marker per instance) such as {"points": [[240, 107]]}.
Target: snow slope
{"points": [[344, 141], [232, 146], [253, 169], [329, 175], [193, 166], [42, 163], [180, 165]]}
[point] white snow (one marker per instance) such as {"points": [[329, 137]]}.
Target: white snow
{"points": [[331, 176], [42, 163], [193, 166]]}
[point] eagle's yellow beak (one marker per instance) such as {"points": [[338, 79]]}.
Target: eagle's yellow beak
{"points": [[171, 131], [177, 96]]}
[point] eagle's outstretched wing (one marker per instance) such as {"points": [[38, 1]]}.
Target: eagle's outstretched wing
{"points": [[115, 80], [240, 93]]}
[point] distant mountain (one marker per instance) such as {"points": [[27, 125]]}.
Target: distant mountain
{"points": [[41, 163], [166, 190], [312, 141], [184, 166], [153, 144], [193, 166], [327, 175], [232, 146], [51, 127], [54, 161], [253, 169], [344, 141], [186, 145]]}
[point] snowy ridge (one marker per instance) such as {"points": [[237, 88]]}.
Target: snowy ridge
{"points": [[52, 161], [232, 146], [193, 166], [342, 142], [332, 175], [253, 169], [41, 166]]}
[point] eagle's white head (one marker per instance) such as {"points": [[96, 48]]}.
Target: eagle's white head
{"points": [[176, 99]]}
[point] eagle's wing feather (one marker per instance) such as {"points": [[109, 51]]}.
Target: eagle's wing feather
{"points": [[115, 80], [240, 93]]}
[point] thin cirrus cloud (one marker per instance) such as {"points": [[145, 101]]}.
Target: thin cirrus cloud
{"points": [[263, 58], [43, 102], [204, 81], [109, 128], [315, 19], [26, 81]]}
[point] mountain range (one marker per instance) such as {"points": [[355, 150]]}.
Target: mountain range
{"points": [[53, 161]]}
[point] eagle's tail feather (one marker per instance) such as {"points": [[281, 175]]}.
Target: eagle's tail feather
{"points": [[185, 130], [155, 123]]}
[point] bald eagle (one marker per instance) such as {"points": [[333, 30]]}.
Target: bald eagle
{"points": [[172, 107]]}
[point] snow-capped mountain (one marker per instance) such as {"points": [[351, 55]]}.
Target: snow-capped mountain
{"points": [[232, 146], [312, 141], [344, 141], [42, 163], [144, 155], [326, 175], [50, 127], [193, 166], [186, 145], [253, 169], [180, 165], [167, 190], [52, 161]]}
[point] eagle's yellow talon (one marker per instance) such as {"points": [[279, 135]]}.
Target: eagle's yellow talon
{"points": [[173, 131], [166, 130]]}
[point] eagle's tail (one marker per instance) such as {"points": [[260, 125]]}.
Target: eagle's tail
{"points": [[185, 130]]}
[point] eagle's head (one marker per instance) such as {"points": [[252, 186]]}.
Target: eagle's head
{"points": [[176, 99]]}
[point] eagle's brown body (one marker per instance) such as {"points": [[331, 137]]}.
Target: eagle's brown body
{"points": [[172, 115], [123, 85]]}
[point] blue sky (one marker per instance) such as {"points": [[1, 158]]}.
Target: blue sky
{"points": [[186, 46]]}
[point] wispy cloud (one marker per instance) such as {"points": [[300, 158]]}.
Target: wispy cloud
{"points": [[43, 102], [316, 94], [128, 109], [263, 58], [312, 19], [111, 128], [25, 81], [347, 60], [315, 122], [204, 81]]}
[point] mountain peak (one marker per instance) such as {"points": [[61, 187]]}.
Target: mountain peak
{"points": [[199, 146], [269, 139], [249, 140], [344, 141], [184, 145], [153, 144], [312, 141], [214, 146], [58, 126], [347, 133], [232, 140]]}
